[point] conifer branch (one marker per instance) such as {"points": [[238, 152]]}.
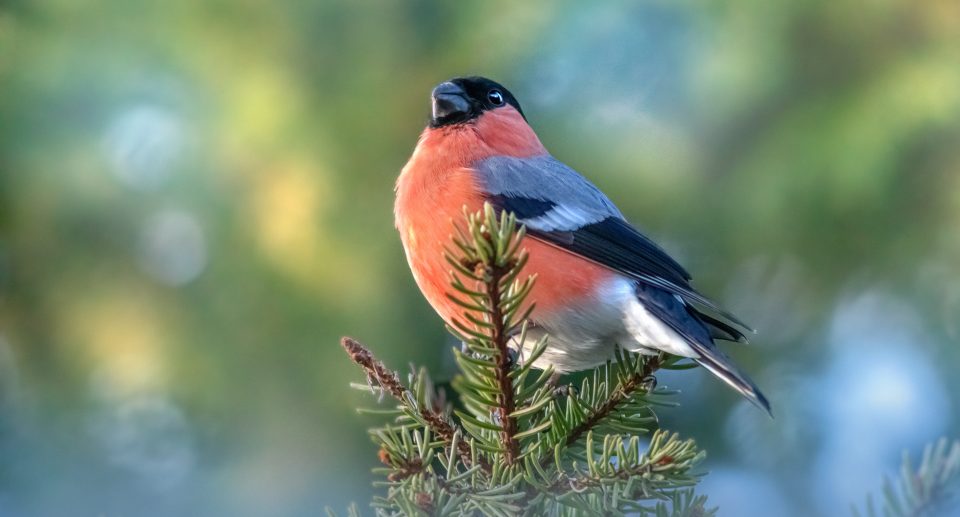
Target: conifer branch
{"points": [[505, 397], [387, 380], [495, 268], [624, 390], [485, 269]]}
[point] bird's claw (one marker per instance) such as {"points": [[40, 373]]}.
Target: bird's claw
{"points": [[512, 357], [564, 390], [648, 383]]}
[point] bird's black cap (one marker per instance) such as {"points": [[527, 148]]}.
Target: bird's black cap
{"points": [[463, 99]]}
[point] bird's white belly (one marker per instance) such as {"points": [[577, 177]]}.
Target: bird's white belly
{"points": [[586, 335]]}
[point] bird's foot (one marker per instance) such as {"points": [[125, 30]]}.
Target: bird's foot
{"points": [[560, 390], [564, 390], [648, 383], [512, 357]]}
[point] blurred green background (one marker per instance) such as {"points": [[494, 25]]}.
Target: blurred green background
{"points": [[196, 203]]}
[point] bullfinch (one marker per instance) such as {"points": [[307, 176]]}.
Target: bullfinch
{"points": [[600, 282]]}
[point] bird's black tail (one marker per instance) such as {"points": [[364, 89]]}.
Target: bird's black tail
{"points": [[717, 363], [699, 331]]}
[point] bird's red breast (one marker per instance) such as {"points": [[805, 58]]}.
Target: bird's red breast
{"points": [[438, 182]]}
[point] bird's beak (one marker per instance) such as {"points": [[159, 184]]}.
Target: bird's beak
{"points": [[449, 100]]}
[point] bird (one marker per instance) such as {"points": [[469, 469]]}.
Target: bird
{"points": [[601, 283]]}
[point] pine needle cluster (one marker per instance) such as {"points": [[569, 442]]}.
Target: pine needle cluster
{"points": [[518, 442]]}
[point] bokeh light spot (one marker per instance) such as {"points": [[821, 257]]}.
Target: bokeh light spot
{"points": [[173, 248], [142, 145], [149, 436]]}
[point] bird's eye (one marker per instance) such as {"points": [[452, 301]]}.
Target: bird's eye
{"points": [[495, 97]]}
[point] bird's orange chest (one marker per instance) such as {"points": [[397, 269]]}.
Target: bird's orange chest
{"points": [[430, 201], [438, 183]]}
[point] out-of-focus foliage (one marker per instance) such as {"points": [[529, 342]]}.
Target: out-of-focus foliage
{"points": [[196, 202], [930, 490]]}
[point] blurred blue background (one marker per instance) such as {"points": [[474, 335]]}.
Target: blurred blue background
{"points": [[196, 203]]}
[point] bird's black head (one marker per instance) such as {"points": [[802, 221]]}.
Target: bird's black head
{"points": [[465, 98]]}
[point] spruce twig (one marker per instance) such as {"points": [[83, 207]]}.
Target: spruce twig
{"points": [[493, 268], [624, 390], [485, 270], [386, 379], [499, 337]]}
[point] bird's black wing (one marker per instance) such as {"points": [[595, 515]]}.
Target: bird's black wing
{"points": [[562, 208]]}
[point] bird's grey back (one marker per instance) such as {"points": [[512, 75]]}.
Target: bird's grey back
{"points": [[573, 200]]}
